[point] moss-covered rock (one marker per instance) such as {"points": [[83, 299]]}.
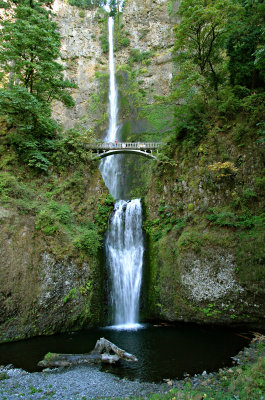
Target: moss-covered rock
{"points": [[52, 262], [205, 221]]}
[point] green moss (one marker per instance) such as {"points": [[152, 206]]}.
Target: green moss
{"points": [[197, 240], [121, 36], [251, 257], [71, 295], [138, 56], [88, 240], [190, 207], [160, 117]]}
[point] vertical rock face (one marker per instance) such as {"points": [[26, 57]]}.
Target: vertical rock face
{"points": [[47, 283], [81, 55], [148, 28]]}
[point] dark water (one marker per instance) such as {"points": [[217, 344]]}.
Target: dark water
{"points": [[163, 352]]}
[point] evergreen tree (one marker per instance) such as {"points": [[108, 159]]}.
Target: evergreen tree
{"points": [[31, 79], [87, 4]]}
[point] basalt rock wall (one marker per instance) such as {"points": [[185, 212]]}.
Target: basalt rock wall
{"points": [[148, 29]]}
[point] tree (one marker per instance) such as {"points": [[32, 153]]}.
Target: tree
{"points": [[87, 4], [29, 49], [199, 40], [31, 79], [245, 44]]}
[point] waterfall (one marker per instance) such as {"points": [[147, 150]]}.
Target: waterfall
{"points": [[124, 239], [124, 250], [110, 167], [113, 92]]}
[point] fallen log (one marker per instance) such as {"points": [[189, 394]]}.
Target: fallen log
{"points": [[103, 352]]}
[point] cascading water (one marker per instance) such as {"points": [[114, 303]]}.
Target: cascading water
{"points": [[124, 249], [124, 242], [110, 167]]}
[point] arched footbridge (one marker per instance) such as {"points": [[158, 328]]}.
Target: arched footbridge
{"points": [[103, 150]]}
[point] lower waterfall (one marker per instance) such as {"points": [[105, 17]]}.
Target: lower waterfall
{"points": [[124, 251]]}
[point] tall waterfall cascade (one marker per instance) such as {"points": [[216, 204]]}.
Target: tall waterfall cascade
{"points": [[124, 239]]}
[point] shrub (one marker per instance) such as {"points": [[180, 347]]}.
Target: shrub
{"points": [[222, 170], [52, 216], [47, 223], [89, 240]]}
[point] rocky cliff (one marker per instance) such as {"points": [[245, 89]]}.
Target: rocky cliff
{"points": [[205, 221], [52, 263], [147, 53]]}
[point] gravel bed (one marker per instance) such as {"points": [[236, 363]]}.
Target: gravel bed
{"points": [[75, 383], [87, 382]]}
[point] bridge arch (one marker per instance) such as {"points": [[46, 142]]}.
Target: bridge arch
{"points": [[102, 150], [123, 151]]}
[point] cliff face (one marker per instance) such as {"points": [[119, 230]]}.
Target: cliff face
{"points": [[148, 29], [81, 56], [205, 221], [51, 274]]}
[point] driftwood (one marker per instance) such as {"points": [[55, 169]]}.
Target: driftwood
{"points": [[104, 352]]}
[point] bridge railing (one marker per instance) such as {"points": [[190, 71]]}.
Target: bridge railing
{"points": [[124, 145]]}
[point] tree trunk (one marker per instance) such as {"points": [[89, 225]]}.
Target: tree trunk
{"points": [[104, 352]]}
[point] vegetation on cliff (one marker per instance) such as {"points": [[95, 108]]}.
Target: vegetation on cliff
{"points": [[49, 187], [206, 200]]}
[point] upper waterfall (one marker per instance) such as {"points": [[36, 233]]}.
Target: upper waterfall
{"points": [[110, 167], [113, 92]]}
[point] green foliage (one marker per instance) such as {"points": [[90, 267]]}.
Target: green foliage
{"points": [[71, 295], [69, 148], [31, 79], [87, 288], [88, 240], [121, 37], [138, 56], [11, 187], [104, 209], [104, 42], [115, 7], [251, 256], [260, 55], [245, 44], [52, 216], [166, 222], [34, 390], [199, 40], [190, 123], [226, 218], [210, 310], [86, 4], [160, 121], [29, 50], [47, 223], [3, 376]]}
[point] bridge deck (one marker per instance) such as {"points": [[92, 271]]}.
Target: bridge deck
{"points": [[124, 146]]}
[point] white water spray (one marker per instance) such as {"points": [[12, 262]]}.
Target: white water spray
{"points": [[113, 92], [124, 242], [110, 167], [124, 249]]}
